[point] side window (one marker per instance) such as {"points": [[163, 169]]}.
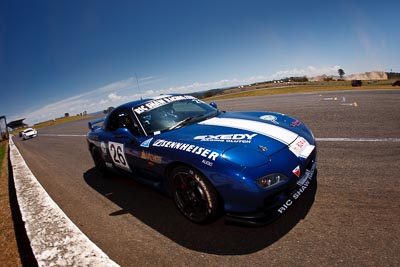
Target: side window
{"points": [[112, 122], [122, 119], [134, 129]]}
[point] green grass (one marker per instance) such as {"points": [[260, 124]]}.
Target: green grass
{"points": [[304, 88], [2, 153], [59, 121]]}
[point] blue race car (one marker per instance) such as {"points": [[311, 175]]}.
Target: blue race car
{"points": [[249, 166]]}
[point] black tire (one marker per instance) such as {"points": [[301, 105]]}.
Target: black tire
{"points": [[99, 161], [193, 194]]}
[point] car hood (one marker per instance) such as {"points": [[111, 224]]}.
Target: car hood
{"points": [[32, 132], [250, 137]]}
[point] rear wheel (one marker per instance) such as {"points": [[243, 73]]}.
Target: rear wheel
{"points": [[99, 161], [193, 194]]}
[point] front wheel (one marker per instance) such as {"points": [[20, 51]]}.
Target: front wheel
{"points": [[193, 194]]}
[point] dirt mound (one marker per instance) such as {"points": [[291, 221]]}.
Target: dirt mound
{"points": [[373, 75]]}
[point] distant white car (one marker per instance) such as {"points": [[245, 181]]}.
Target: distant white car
{"points": [[28, 133]]}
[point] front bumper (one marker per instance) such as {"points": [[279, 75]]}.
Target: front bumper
{"points": [[29, 136], [277, 204]]}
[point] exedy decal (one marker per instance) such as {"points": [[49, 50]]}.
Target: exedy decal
{"points": [[206, 153], [230, 138], [271, 130]]}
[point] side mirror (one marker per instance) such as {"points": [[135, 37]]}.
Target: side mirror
{"points": [[124, 133], [214, 105]]}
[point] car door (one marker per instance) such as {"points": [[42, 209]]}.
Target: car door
{"points": [[126, 150], [122, 140]]}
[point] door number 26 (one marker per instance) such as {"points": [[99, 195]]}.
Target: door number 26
{"points": [[118, 155]]}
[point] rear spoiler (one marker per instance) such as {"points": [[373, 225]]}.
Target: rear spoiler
{"points": [[92, 123]]}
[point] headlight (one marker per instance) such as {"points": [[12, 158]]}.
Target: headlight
{"points": [[271, 180]]}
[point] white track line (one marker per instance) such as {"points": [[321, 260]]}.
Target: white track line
{"points": [[54, 238], [64, 135]]}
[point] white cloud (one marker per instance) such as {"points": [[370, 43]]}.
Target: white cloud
{"points": [[114, 97], [91, 101], [309, 71], [126, 90]]}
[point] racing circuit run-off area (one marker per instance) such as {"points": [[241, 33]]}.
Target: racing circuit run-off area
{"points": [[343, 212]]}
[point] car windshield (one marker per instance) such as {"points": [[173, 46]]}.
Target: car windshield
{"points": [[169, 113]]}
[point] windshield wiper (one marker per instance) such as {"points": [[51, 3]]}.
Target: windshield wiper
{"points": [[184, 121]]}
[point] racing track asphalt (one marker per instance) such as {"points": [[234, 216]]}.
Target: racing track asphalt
{"points": [[349, 216]]}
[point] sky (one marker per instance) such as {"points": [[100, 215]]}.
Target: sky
{"points": [[71, 56]]}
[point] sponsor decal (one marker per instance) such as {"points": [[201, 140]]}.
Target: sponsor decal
{"points": [[295, 123], [296, 171], [146, 143], [303, 183], [152, 157], [229, 138], [297, 144], [208, 163], [201, 151], [270, 118], [285, 206], [301, 147], [155, 103], [273, 131]]}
